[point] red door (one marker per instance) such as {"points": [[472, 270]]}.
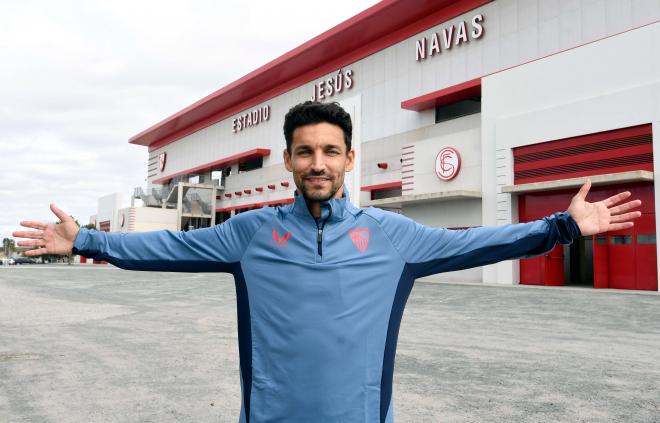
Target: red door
{"points": [[624, 259], [646, 264], [621, 254], [531, 270], [553, 273], [547, 269]]}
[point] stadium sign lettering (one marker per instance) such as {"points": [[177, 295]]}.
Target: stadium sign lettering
{"points": [[251, 118], [333, 85], [450, 36]]}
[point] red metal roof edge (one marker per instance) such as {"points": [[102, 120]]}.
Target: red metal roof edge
{"points": [[444, 96], [376, 28], [380, 187], [258, 204], [221, 162]]}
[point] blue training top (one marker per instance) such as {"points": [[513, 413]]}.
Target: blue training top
{"points": [[320, 300]]}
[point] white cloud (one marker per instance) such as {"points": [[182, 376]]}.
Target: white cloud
{"points": [[78, 79]]}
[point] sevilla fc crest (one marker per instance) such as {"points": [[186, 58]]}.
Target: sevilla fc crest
{"points": [[360, 238], [162, 157]]}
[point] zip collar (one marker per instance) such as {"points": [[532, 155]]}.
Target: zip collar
{"points": [[335, 209]]}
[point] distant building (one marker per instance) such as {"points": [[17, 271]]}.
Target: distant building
{"points": [[111, 216]]}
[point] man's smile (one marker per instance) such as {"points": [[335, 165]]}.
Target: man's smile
{"points": [[317, 179]]}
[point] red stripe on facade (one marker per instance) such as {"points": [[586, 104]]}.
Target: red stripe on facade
{"points": [[408, 165], [252, 205], [444, 96], [380, 187], [581, 140], [586, 157], [407, 146], [613, 151]]}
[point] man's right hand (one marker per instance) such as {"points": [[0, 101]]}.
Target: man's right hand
{"points": [[49, 238]]}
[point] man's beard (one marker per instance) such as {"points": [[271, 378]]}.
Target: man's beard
{"points": [[319, 195]]}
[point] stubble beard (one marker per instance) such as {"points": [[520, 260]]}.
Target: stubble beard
{"points": [[318, 195]]}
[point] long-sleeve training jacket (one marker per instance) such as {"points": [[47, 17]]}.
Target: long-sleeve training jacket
{"points": [[320, 300]]}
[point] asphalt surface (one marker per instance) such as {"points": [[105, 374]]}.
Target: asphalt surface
{"points": [[97, 344]]}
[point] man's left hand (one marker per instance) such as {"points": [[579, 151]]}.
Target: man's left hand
{"points": [[602, 216]]}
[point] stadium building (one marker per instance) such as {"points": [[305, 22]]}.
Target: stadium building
{"points": [[466, 113]]}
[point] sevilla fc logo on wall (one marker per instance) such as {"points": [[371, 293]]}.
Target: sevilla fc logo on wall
{"points": [[447, 163], [162, 157], [360, 238]]}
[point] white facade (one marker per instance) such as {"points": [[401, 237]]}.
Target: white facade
{"points": [[108, 212], [548, 70], [612, 83], [144, 219]]}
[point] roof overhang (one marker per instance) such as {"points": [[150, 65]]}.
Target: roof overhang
{"points": [[596, 180], [224, 162], [463, 91], [370, 31], [258, 204], [433, 197], [381, 187]]}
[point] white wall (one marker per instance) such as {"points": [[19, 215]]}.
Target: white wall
{"points": [[608, 84], [446, 214], [516, 31], [449, 214], [599, 86], [463, 134], [144, 219], [108, 208]]}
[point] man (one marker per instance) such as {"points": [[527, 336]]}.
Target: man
{"points": [[321, 284]]}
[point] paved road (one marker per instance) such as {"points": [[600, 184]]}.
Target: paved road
{"points": [[97, 344]]}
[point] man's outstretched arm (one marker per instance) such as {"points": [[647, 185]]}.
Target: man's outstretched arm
{"points": [[434, 250], [202, 250]]}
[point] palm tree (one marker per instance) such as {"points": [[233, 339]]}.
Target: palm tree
{"points": [[9, 245]]}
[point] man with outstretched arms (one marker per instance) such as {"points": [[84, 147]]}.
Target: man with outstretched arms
{"points": [[321, 284]]}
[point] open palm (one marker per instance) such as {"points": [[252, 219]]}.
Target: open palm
{"points": [[49, 238], [605, 215]]}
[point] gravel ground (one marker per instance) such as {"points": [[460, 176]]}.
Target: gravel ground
{"points": [[98, 344]]}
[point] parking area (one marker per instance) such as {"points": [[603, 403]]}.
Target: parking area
{"points": [[97, 344]]}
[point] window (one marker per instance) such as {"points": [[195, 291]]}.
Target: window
{"points": [[646, 238], [386, 193], [249, 165], [458, 109], [620, 239]]}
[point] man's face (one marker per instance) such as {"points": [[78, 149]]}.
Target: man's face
{"points": [[318, 161]]}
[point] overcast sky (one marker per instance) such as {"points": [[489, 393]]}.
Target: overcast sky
{"points": [[79, 78]]}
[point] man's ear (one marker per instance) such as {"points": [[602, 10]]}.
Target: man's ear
{"points": [[287, 160], [350, 160]]}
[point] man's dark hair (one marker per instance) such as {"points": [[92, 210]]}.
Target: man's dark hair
{"points": [[311, 112]]}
